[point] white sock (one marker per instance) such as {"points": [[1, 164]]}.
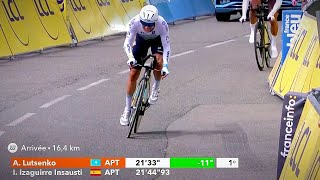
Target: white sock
{"points": [[156, 84], [128, 102], [273, 41], [252, 26]]}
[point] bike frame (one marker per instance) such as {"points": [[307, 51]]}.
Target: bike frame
{"points": [[141, 95]]}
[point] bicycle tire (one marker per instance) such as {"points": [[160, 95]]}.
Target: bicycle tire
{"points": [[135, 112], [259, 45], [145, 96], [267, 47]]}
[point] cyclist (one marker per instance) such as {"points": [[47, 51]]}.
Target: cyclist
{"points": [[273, 6], [149, 30]]}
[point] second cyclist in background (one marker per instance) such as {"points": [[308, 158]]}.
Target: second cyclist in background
{"points": [[149, 30], [273, 6]]}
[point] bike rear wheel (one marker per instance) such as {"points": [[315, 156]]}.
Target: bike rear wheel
{"points": [[136, 107], [259, 45]]}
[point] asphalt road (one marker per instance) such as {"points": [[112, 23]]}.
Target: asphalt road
{"points": [[214, 103]]}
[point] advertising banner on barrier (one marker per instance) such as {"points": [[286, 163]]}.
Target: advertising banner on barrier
{"points": [[86, 23], [273, 74], [172, 11], [293, 104], [32, 25], [111, 19], [164, 9], [128, 9], [303, 161], [202, 7], [308, 75], [92, 19], [4, 49], [290, 24], [296, 55], [143, 2], [63, 8]]}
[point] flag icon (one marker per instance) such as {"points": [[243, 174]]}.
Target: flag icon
{"points": [[95, 162], [95, 172]]}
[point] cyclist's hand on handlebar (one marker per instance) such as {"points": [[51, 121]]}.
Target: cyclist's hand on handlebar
{"points": [[164, 71], [243, 19], [271, 17], [131, 62]]}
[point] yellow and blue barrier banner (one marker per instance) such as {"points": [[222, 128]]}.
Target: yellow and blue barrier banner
{"points": [[292, 107], [303, 161], [63, 7], [290, 24], [128, 9], [172, 11], [5, 50], [143, 2], [91, 19], [30, 25], [301, 69], [274, 72]]}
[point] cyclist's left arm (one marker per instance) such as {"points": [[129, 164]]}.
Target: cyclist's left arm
{"points": [[275, 8], [165, 40]]}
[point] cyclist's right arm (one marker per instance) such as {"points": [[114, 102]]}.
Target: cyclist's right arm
{"points": [[245, 4], [131, 33], [275, 8]]}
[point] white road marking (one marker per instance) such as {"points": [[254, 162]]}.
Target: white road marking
{"points": [[19, 120], [220, 43], [183, 53], [92, 84], [1, 133], [46, 105], [248, 35]]}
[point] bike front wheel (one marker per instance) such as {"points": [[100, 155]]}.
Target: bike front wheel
{"points": [[136, 108], [259, 45], [145, 104]]}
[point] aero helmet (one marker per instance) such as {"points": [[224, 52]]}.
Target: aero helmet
{"points": [[149, 14]]}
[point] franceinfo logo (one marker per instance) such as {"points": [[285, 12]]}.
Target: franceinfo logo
{"points": [[290, 110]]}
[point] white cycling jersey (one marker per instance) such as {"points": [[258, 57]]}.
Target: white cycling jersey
{"points": [[161, 29]]}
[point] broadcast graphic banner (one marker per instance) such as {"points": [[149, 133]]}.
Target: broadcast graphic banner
{"points": [[32, 25], [303, 161], [299, 55]]}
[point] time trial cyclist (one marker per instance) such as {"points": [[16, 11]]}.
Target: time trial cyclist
{"points": [[273, 7], [149, 30]]}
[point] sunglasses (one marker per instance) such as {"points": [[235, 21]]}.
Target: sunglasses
{"points": [[144, 24]]}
